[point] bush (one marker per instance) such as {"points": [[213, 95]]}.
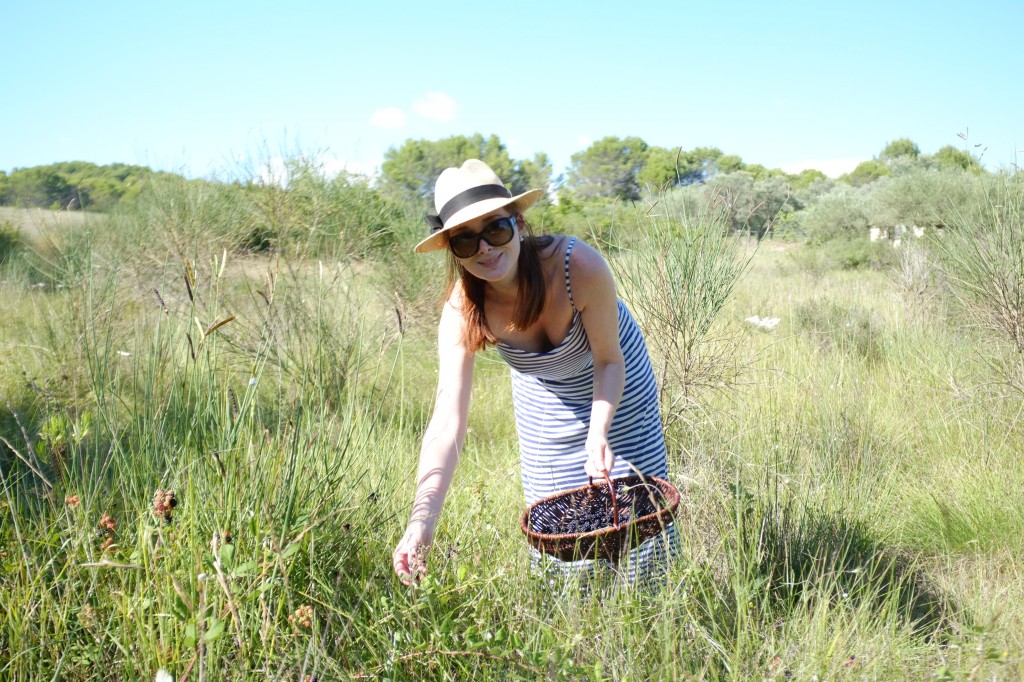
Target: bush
{"points": [[840, 214], [10, 241], [848, 329], [303, 213], [923, 197], [677, 271], [983, 256]]}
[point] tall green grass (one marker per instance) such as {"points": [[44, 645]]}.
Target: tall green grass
{"points": [[851, 510]]}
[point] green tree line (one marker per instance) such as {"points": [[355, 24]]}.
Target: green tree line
{"points": [[610, 168], [73, 185]]}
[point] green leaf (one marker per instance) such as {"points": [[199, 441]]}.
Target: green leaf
{"points": [[227, 555], [190, 636], [244, 569], [216, 630]]}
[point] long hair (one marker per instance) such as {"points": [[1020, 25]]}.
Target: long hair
{"points": [[529, 298]]}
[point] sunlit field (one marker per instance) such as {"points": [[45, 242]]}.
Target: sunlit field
{"points": [[208, 454]]}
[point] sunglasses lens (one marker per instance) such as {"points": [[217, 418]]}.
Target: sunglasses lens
{"points": [[497, 233], [464, 245]]}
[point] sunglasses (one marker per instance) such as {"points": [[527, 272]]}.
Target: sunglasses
{"points": [[497, 233]]}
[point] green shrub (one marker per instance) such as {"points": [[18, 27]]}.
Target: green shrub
{"points": [[849, 329], [839, 214], [10, 241]]}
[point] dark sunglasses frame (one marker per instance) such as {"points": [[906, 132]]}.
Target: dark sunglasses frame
{"points": [[496, 233]]}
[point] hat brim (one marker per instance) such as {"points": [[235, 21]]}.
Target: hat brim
{"points": [[519, 203]]}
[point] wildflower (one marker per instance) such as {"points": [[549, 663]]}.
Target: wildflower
{"points": [[106, 524], [164, 503], [87, 617], [303, 617], [72, 501], [123, 353], [105, 529], [163, 676]]}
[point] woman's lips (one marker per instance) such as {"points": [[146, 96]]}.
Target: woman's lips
{"points": [[490, 262]]}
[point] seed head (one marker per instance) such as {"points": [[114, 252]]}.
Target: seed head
{"points": [[303, 617], [164, 503], [72, 501], [107, 524]]}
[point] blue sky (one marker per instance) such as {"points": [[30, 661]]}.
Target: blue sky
{"points": [[214, 88]]}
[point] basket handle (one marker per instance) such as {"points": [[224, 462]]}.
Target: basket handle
{"points": [[611, 491]]}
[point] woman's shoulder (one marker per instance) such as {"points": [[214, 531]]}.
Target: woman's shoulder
{"points": [[559, 245], [585, 261]]}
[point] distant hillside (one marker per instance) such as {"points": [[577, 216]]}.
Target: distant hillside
{"points": [[73, 185]]}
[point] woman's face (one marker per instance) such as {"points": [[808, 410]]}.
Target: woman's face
{"points": [[491, 263]]}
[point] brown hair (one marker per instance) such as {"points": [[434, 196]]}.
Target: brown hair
{"points": [[529, 299]]}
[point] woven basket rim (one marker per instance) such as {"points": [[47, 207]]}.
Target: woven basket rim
{"points": [[671, 495]]}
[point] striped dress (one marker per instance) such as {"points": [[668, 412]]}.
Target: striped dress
{"points": [[552, 393]]}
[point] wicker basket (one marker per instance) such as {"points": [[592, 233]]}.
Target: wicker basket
{"points": [[603, 521]]}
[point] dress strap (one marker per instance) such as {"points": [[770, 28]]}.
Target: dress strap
{"points": [[568, 285]]}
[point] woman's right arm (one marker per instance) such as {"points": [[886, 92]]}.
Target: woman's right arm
{"points": [[442, 442]]}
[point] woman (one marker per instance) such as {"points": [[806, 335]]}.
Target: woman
{"points": [[583, 390]]}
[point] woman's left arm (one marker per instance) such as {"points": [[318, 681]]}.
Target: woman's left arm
{"points": [[594, 295]]}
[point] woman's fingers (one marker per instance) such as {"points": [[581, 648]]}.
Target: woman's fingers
{"points": [[410, 560], [600, 459], [400, 561], [609, 459]]}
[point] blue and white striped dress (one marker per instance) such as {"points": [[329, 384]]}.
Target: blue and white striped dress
{"points": [[553, 393]]}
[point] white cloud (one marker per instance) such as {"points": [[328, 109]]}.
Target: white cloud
{"points": [[436, 106], [391, 117], [273, 172], [833, 168], [330, 166], [583, 141]]}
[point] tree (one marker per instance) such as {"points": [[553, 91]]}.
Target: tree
{"points": [[608, 168], [729, 163], [700, 164], [806, 178], [38, 187], [90, 186], [752, 205], [898, 148], [865, 172], [535, 172], [951, 157], [410, 171], [659, 171]]}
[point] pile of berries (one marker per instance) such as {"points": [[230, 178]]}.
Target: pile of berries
{"points": [[164, 503], [106, 528], [303, 617]]}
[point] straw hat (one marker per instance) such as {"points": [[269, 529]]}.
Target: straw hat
{"points": [[462, 194]]}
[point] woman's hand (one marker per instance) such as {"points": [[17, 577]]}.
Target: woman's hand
{"points": [[410, 557], [600, 458]]}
